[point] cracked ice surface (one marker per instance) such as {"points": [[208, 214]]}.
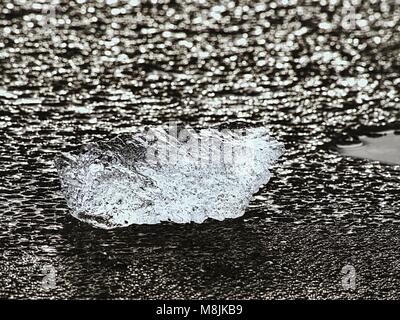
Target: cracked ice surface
{"points": [[157, 176]]}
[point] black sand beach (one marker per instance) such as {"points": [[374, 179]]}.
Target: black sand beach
{"points": [[89, 70]]}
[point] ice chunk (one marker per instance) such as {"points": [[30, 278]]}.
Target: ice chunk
{"points": [[167, 175]]}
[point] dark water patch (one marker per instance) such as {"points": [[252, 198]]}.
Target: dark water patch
{"points": [[380, 143]]}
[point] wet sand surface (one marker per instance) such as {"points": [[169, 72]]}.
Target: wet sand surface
{"points": [[91, 69]]}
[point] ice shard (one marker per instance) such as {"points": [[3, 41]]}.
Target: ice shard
{"points": [[383, 146], [167, 175]]}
